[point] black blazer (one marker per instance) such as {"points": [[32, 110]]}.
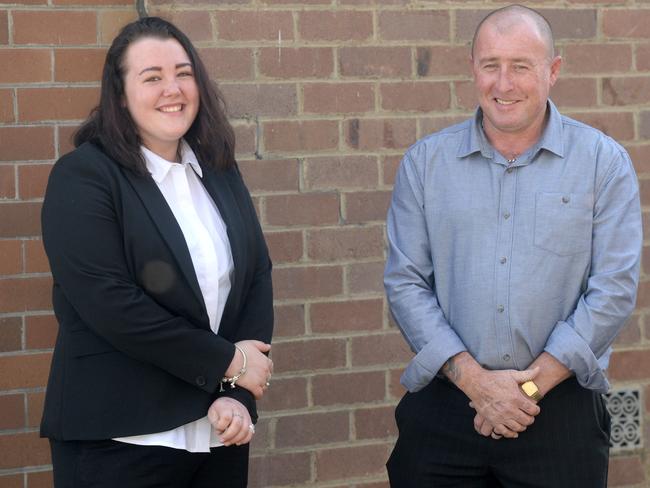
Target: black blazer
{"points": [[134, 352]]}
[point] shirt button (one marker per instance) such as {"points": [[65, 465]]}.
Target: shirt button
{"points": [[565, 199], [500, 308], [510, 170], [503, 260], [200, 380], [506, 215], [506, 357]]}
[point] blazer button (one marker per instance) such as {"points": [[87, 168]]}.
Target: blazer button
{"points": [[200, 380]]}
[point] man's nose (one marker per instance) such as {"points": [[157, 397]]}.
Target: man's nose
{"points": [[504, 83]]}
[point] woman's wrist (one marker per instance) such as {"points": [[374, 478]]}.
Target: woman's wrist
{"points": [[232, 378]]}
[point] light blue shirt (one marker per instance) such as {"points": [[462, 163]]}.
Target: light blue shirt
{"points": [[506, 261]]}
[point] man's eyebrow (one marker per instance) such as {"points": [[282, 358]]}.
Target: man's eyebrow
{"points": [[514, 60], [158, 68]]}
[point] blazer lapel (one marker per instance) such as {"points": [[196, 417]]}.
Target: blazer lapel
{"points": [[164, 219], [216, 183]]}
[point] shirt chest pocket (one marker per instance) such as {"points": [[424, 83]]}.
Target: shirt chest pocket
{"points": [[563, 222]]}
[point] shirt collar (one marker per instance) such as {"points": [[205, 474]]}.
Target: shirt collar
{"points": [[159, 167], [475, 139]]}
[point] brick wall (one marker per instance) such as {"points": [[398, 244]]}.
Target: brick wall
{"points": [[325, 96]]}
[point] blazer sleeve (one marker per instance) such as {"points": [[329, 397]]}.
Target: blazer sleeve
{"points": [[83, 239], [255, 320]]}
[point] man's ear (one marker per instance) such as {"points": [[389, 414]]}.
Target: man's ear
{"points": [[555, 69]]}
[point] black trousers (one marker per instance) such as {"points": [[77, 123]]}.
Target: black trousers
{"points": [[566, 447], [112, 464]]}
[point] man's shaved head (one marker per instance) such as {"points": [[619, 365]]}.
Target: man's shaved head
{"points": [[504, 18]]}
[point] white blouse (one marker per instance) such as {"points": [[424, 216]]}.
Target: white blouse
{"points": [[205, 234]]}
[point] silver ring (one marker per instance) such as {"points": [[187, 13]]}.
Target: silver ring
{"points": [[251, 427], [268, 384]]}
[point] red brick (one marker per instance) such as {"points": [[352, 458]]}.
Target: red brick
{"points": [[261, 441], [27, 65], [23, 371], [341, 172], [35, 258], [66, 133], [466, 23], [631, 333], [443, 61], [300, 136], [23, 294], [644, 191], [228, 63], [307, 282], [254, 100], [597, 58], [75, 65], [271, 175], [349, 387], [111, 22], [246, 137], [374, 2], [380, 349], [375, 62], [297, 2], [13, 411], [465, 95], [279, 469], [628, 23], [11, 333], [575, 92], [302, 209], [38, 104], [92, 2], [40, 479], [423, 96], [313, 428], [301, 62], [619, 125], [35, 402], [54, 27], [289, 320], [626, 91], [23, 450], [196, 24], [625, 470], [4, 26], [366, 206], [335, 26], [642, 57], [640, 156], [32, 180], [11, 259], [308, 355], [6, 106], [375, 423], [7, 182], [430, 125], [365, 277], [351, 462], [285, 394], [345, 243], [338, 97], [12, 480], [373, 134], [629, 365], [20, 220], [40, 331], [351, 315], [233, 25], [395, 388], [285, 247], [389, 167], [416, 25]]}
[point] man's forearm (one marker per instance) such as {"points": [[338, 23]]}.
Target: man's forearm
{"points": [[551, 372]]}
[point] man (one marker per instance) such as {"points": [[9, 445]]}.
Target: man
{"points": [[514, 258]]}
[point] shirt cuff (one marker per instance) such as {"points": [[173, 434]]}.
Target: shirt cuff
{"points": [[568, 347], [427, 363]]}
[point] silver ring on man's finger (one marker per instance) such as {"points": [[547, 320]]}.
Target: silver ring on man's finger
{"points": [[251, 427]]}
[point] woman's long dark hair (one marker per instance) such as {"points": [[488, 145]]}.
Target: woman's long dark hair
{"points": [[111, 127]]}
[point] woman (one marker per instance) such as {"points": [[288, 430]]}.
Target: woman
{"points": [[162, 281]]}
